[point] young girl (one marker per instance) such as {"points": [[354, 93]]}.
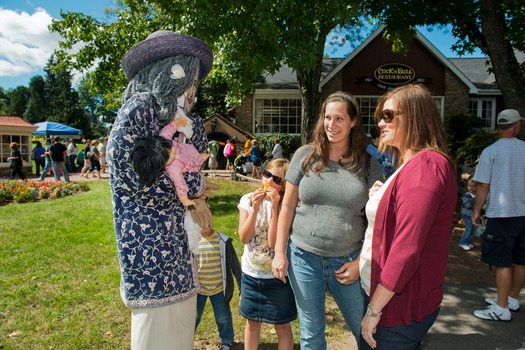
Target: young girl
{"points": [[467, 207], [264, 298]]}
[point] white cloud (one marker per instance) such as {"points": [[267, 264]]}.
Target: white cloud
{"points": [[25, 41]]}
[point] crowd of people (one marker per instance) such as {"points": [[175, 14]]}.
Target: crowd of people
{"points": [[367, 222], [59, 159]]}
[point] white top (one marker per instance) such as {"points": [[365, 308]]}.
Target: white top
{"points": [[365, 261], [277, 151], [72, 149], [258, 256], [502, 165]]}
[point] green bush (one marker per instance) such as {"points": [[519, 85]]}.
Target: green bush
{"points": [[473, 145], [460, 127], [289, 143]]}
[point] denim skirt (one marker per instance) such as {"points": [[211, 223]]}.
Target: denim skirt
{"points": [[267, 300]]}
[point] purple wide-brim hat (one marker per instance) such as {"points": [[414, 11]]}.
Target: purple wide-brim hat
{"points": [[162, 44]]}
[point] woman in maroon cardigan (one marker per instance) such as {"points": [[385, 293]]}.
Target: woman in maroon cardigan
{"points": [[404, 256]]}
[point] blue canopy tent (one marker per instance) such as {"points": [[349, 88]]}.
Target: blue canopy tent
{"points": [[48, 129]]}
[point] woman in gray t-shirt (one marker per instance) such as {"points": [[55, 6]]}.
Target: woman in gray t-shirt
{"points": [[322, 214]]}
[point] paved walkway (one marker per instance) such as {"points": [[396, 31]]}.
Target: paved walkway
{"points": [[468, 281], [72, 177]]}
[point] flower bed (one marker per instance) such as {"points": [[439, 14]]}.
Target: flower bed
{"points": [[32, 191]]}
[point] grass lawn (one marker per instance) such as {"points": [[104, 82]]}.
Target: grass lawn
{"points": [[59, 276]]}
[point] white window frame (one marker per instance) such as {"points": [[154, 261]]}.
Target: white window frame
{"points": [[479, 108], [275, 94]]}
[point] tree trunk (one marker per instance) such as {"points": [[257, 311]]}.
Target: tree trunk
{"points": [[309, 88], [509, 76]]}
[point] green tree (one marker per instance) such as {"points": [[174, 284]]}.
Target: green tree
{"points": [[36, 106], [3, 102], [248, 39], [496, 27], [211, 99], [63, 100], [87, 100], [16, 101]]}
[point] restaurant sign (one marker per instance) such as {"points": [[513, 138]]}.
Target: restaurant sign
{"points": [[394, 74]]}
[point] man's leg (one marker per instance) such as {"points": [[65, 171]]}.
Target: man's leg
{"points": [[503, 283], [518, 280], [54, 165]]}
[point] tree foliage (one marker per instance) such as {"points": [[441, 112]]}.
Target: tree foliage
{"points": [[496, 27], [16, 101], [36, 108], [248, 37]]}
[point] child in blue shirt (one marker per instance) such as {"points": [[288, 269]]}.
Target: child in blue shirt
{"points": [[467, 207]]}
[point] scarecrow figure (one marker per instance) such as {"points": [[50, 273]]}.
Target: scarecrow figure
{"points": [[158, 272]]}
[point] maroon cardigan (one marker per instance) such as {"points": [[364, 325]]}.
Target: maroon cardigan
{"points": [[411, 238]]}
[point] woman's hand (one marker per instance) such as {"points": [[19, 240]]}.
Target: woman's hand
{"points": [[348, 273], [368, 329], [280, 266], [375, 187]]}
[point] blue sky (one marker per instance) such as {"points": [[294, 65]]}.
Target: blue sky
{"points": [[26, 44]]}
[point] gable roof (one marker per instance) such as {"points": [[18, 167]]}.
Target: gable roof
{"points": [[15, 122], [433, 50], [285, 77]]}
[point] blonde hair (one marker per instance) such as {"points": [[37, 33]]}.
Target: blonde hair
{"points": [[281, 163], [422, 126]]}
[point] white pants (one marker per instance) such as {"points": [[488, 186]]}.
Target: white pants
{"points": [[170, 327]]}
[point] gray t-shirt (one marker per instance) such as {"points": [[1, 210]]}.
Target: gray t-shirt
{"points": [[502, 165], [329, 220]]}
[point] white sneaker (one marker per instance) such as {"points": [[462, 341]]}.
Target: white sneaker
{"points": [[464, 247], [471, 246], [494, 313], [514, 305]]}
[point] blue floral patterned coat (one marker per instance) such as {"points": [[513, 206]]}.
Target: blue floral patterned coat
{"points": [[156, 265]]}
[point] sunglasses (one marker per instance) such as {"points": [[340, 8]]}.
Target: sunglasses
{"points": [[388, 115], [269, 175]]}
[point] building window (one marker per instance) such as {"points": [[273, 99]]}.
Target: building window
{"points": [[485, 109], [368, 107], [277, 115], [23, 144]]}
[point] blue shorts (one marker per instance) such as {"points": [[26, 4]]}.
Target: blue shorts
{"points": [[504, 242], [267, 300]]}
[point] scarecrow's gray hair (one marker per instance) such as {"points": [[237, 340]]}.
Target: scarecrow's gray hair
{"points": [[155, 78]]}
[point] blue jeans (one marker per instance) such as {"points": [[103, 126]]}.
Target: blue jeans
{"points": [[46, 169], [222, 313], [402, 337], [310, 277], [64, 170], [468, 233]]}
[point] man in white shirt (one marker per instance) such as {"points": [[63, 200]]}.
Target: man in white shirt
{"points": [[500, 183]]}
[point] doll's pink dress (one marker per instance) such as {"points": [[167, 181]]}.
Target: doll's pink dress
{"points": [[188, 159]]}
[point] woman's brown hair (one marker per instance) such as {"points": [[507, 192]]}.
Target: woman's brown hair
{"points": [[356, 149], [422, 125]]}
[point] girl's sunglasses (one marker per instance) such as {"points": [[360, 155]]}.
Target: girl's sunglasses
{"points": [[388, 115], [269, 175]]}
